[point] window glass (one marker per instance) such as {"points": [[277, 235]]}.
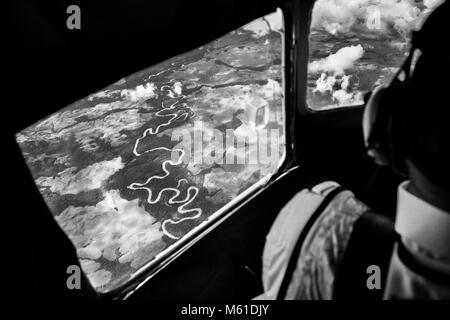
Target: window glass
{"points": [[130, 171], [356, 45]]}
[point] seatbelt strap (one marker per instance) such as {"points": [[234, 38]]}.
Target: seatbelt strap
{"points": [[292, 264]]}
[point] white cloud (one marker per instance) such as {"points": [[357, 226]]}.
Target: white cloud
{"points": [[324, 83], [262, 26], [116, 229], [339, 90], [178, 88], [141, 92], [100, 277], [344, 98], [275, 20], [335, 16], [108, 93], [340, 16], [62, 126], [89, 266], [338, 62], [89, 178], [431, 4], [259, 27]]}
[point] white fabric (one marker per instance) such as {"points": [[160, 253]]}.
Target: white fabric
{"points": [[422, 223], [285, 231], [425, 232], [282, 237]]}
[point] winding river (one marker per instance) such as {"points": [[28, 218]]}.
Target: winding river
{"points": [[192, 191]]}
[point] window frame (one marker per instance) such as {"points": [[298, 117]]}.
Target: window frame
{"points": [[304, 15], [285, 165]]}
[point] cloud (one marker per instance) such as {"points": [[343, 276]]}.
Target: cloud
{"points": [[141, 92], [335, 16], [338, 89], [97, 277], [388, 20], [108, 93], [275, 20], [341, 16], [431, 4], [116, 229], [259, 27], [109, 128], [89, 266], [262, 26], [344, 98], [178, 88], [338, 62], [90, 178], [324, 83]]}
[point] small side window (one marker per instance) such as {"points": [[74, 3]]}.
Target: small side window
{"points": [[357, 45], [132, 171]]}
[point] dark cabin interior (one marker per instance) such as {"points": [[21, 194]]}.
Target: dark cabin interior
{"points": [[49, 67]]}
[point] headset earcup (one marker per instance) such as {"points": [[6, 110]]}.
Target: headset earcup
{"points": [[375, 127], [396, 133], [382, 127]]}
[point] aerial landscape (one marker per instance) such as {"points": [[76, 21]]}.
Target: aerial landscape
{"points": [[117, 171], [130, 170], [357, 45]]}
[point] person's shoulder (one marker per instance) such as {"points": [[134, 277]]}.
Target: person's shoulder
{"points": [[298, 211], [324, 211], [340, 211], [325, 242], [309, 198]]}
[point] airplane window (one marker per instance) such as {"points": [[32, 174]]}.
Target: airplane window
{"points": [[131, 171], [357, 45]]}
